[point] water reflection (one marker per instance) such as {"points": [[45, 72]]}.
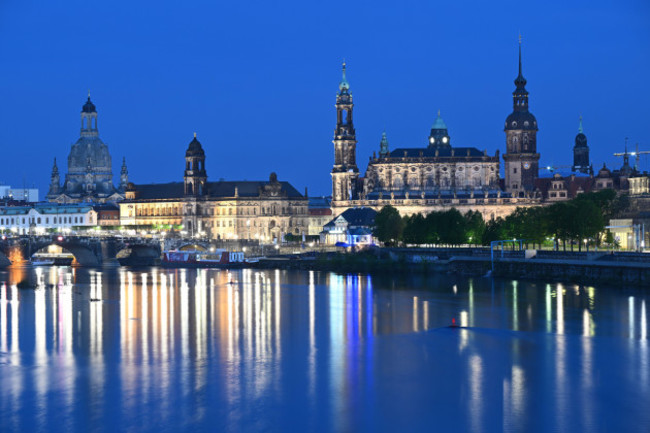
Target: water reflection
{"points": [[252, 349]]}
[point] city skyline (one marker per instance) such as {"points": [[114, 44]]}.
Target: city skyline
{"points": [[280, 117]]}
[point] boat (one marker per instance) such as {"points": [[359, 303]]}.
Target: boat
{"points": [[202, 259], [37, 261]]}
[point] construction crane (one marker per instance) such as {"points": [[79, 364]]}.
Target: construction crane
{"points": [[637, 154]]}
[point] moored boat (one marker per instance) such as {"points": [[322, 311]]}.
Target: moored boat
{"points": [[203, 259]]}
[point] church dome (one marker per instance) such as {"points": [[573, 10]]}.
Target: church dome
{"points": [[519, 120], [195, 148], [88, 107], [439, 123]]}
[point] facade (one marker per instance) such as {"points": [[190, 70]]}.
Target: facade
{"points": [[42, 217], [438, 175], [255, 210], [320, 213], [90, 173], [351, 228]]}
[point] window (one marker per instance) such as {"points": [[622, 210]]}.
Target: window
{"points": [[514, 170]]}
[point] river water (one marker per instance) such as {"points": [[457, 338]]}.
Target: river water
{"points": [[213, 350]]}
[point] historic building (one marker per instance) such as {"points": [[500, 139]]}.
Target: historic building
{"points": [[438, 175], [521, 157], [42, 217], [90, 172], [255, 210]]}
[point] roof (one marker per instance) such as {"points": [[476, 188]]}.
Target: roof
{"points": [[245, 188], [88, 107], [319, 203], [194, 148], [357, 217], [445, 152]]}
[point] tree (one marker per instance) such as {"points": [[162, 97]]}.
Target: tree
{"points": [[415, 229], [474, 227], [388, 225]]}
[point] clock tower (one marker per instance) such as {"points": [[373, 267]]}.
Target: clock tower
{"points": [[521, 157]]}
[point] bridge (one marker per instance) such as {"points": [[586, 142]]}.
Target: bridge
{"points": [[87, 250]]}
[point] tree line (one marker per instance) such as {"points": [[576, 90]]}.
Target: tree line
{"points": [[580, 221]]}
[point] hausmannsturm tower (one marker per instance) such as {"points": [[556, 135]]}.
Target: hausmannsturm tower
{"points": [[345, 172], [521, 157]]}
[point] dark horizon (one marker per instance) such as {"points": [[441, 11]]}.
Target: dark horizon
{"points": [[257, 82]]}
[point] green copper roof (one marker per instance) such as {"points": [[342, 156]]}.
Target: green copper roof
{"points": [[344, 85], [439, 123]]}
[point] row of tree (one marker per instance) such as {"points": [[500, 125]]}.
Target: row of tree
{"points": [[579, 221]]}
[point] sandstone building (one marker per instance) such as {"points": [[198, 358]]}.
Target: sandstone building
{"points": [[255, 210]]}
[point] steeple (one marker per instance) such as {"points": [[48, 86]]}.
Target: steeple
{"points": [[124, 175], [581, 152], [383, 146], [89, 119], [195, 175], [345, 171], [520, 95], [55, 181], [344, 86], [580, 125]]}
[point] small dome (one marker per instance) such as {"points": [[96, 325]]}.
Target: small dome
{"points": [[195, 148], [581, 140], [521, 120], [88, 107], [439, 123], [344, 86]]}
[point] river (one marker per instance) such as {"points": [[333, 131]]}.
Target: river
{"points": [[246, 350]]}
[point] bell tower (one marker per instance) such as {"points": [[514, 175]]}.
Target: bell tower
{"points": [[89, 119], [581, 152], [521, 157], [345, 171], [195, 176]]}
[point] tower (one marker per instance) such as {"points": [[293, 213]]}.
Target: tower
{"points": [[581, 152], [521, 157], [345, 172], [383, 146], [195, 176], [124, 176], [55, 182], [439, 137]]}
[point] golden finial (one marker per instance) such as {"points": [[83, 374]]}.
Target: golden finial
{"points": [[519, 38], [88, 93], [195, 135], [438, 112]]}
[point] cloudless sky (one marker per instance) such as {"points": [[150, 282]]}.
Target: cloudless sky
{"points": [[257, 80]]}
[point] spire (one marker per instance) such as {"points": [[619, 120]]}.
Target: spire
{"points": [[383, 145], [520, 81], [344, 86], [55, 169], [580, 125], [124, 169]]}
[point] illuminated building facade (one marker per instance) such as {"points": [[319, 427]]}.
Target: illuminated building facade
{"points": [[256, 210]]}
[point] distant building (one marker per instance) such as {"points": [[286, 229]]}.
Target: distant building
{"points": [[42, 217], [256, 210], [90, 171], [27, 195], [352, 227]]}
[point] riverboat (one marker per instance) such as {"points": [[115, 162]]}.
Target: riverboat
{"points": [[203, 259]]}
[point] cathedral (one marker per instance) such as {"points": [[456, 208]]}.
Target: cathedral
{"points": [[437, 175], [90, 172]]}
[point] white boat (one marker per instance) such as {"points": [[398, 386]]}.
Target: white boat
{"points": [[42, 262]]}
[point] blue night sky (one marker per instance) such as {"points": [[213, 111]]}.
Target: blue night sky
{"points": [[257, 80]]}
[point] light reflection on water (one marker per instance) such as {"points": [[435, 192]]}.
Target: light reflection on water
{"points": [[274, 350]]}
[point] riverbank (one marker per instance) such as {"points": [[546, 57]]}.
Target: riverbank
{"points": [[604, 268]]}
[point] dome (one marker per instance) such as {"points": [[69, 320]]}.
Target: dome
{"points": [[88, 107], [518, 120], [89, 151], [344, 86], [195, 148], [439, 123], [581, 140]]}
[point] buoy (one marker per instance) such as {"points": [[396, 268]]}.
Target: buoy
{"points": [[453, 322]]}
